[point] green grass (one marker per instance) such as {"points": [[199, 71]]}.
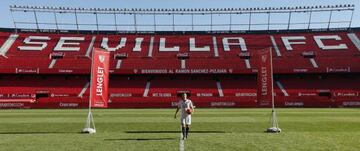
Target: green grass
{"points": [[156, 130]]}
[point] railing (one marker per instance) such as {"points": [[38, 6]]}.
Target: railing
{"points": [[218, 19]]}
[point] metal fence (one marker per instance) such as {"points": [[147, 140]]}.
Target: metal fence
{"points": [[187, 19]]}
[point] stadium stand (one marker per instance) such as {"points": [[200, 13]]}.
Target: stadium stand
{"points": [[51, 70]]}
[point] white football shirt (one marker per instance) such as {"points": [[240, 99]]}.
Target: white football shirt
{"points": [[183, 105]]}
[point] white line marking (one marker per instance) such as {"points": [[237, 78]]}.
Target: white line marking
{"points": [[181, 143], [138, 42], [52, 63], [84, 89], [282, 88], [183, 64], [147, 88], [313, 62], [90, 46], [355, 40], [151, 47], [7, 44], [275, 46], [216, 51], [118, 64], [221, 93], [247, 62]]}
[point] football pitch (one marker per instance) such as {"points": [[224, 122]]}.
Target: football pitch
{"points": [[157, 130]]}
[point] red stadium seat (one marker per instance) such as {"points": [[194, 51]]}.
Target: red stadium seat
{"points": [[311, 69]]}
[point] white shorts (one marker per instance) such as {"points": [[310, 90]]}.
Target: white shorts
{"points": [[186, 120]]}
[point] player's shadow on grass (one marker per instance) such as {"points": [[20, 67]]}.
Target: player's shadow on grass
{"points": [[174, 132], [142, 139], [38, 133]]}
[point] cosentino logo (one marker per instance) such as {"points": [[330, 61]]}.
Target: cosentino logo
{"points": [[99, 81]]}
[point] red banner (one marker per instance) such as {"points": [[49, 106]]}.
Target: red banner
{"points": [[99, 78], [264, 78]]}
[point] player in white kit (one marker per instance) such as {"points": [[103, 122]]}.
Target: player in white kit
{"points": [[186, 106]]}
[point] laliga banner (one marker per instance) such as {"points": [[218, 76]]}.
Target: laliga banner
{"points": [[264, 78], [99, 78]]}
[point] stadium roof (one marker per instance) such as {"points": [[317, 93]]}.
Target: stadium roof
{"points": [[203, 15]]}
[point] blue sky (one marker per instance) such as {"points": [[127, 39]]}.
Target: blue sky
{"points": [[7, 21]]}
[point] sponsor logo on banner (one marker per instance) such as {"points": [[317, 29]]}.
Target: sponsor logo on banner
{"points": [[42, 91], [332, 69], [355, 103], [294, 104], [20, 96], [100, 78], [222, 104], [11, 105], [307, 94], [204, 94], [59, 95], [65, 71], [28, 71], [115, 95], [300, 70], [161, 94], [264, 81], [346, 94], [69, 104], [17, 96], [245, 94]]}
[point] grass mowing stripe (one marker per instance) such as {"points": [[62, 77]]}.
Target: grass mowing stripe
{"points": [[155, 129]]}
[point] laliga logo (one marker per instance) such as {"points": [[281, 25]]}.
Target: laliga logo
{"points": [[101, 58]]}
